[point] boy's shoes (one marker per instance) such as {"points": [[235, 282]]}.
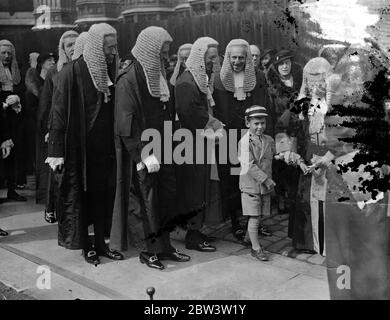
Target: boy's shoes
{"points": [[259, 254], [263, 231]]}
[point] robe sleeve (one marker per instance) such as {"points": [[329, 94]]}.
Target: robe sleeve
{"points": [[58, 117], [126, 116], [193, 114], [45, 104]]}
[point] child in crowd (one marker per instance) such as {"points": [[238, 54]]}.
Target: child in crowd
{"points": [[256, 152]]}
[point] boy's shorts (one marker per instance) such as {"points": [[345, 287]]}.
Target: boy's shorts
{"points": [[255, 205]]}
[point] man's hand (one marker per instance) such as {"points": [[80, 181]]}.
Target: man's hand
{"points": [[213, 135], [304, 168], [152, 164], [12, 99], [56, 164], [47, 137], [6, 147], [5, 152], [269, 183]]}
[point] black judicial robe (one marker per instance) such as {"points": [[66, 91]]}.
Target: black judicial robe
{"points": [[193, 179], [81, 131], [144, 203], [42, 169], [231, 112]]}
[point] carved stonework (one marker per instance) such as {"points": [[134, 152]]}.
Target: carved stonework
{"points": [[92, 11], [54, 14]]}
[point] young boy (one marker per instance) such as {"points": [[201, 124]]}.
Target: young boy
{"points": [[256, 152]]}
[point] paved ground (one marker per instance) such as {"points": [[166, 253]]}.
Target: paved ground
{"points": [[230, 273]]}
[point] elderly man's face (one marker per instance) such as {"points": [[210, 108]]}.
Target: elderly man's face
{"points": [[184, 54], [238, 58], [210, 59], [164, 53], [69, 43], [110, 48], [255, 55], [6, 55]]}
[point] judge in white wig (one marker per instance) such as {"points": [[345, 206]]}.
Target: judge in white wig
{"points": [[79, 45], [237, 88], [81, 142], [11, 122], [143, 103], [182, 56], [66, 48], [197, 183], [45, 179]]}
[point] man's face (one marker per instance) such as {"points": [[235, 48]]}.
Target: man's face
{"points": [[210, 59], [284, 68], [257, 126], [266, 60], [6, 55], [255, 55], [238, 58], [184, 54], [48, 64], [110, 48], [164, 53], [69, 46]]}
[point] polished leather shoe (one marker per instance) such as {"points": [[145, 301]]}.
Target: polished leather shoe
{"points": [[50, 217], [151, 261], [259, 254], [91, 257], [110, 254], [13, 196], [174, 256], [202, 247], [3, 233]]}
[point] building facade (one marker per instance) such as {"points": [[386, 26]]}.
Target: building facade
{"points": [[48, 14]]}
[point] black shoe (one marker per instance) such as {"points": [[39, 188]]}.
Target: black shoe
{"points": [[259, 254], [13, 196], [263, 231], [202, 247], [91, 257], [50, 217], [174, 256], [3, 233], [151, 261], [110, 254]]}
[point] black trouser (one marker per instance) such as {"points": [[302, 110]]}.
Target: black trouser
{"points": [[143, 202]]}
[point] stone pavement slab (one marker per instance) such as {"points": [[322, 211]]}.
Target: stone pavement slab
{"points": [[229, 273]]}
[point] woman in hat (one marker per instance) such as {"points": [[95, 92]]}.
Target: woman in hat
{"points": [[284, 83], [266, 60], [33, 91]]}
